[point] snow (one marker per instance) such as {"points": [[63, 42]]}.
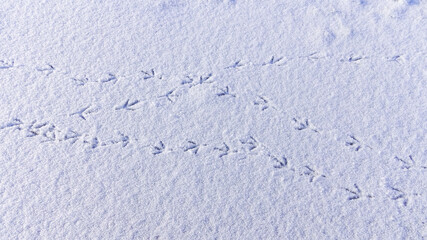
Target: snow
{"points": [[213, 119]]}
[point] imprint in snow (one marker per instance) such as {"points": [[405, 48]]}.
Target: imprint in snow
{"points": [[128, 105], [72, 135], [262, 102], [84, 111], [311, 173], [81, 81], [48, 69], [399, 195], [301, 124], [395, 58], [250, 143], [407, 163], [150, 74], [353, 143], [124, 140], [353, 59], [235, 65], [316, 55], [111, 78], [94, 142], [159, 148], [192, 81], [225, 92], [356, 193], [192, 146], [225, 150], [6, 65], [35, 129], [169, 95], [14, 122], [275, 61], [413, 2], [50, 134], [279, 163]]}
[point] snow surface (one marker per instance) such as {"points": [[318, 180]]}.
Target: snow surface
{"points": [[217, 119]]}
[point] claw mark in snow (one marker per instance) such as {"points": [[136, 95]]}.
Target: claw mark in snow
{"points": [[48, 69], [187, 80], [277, 61], [356, 193], [235, 65], [313, 57], [395, 58], [262, 102], [72, 135], [110, 78], [225, 91], [205, 79], [407, 164], [80, 81], [354, 143], [352, 59], [192, 80], [168, 95], [150, 74], [250, 143], [127, 105], [159, 148], [124, 140], [301, 124], [83, 112], [225, 149], [279, 163], [193, 146], [50, 134], [34, 129], [6, 65], [311, 173], [93, 142], [14, 122], [399, 195]]}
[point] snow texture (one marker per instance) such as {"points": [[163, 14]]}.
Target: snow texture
{"points": [[217, 119]]}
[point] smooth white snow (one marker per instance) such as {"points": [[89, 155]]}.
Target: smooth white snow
{"points": [[218, 119]]}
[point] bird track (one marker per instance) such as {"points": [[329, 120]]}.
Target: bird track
{"points": [[48, 132]]}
